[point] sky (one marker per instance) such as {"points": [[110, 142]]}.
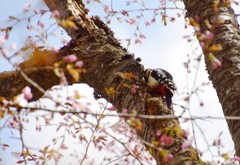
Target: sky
{"points": [[164, 47]]}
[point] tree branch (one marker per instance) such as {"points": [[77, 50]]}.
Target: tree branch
{"points": [[226, 79]]}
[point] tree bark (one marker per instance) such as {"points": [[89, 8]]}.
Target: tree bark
{"points": [[103, 57], [226, 79]]}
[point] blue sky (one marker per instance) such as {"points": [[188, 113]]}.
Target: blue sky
{"points": [[164, 47]]}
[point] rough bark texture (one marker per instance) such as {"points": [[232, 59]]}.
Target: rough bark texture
{"points": [[11, 83], [103, 57], [226, 79]]}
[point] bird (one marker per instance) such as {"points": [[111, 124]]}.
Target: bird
{"points": [[160, 83]]}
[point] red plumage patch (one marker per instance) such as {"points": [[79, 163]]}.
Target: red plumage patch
{"points": [[160, 90]]}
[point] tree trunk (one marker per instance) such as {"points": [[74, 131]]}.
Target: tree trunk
{"points": [[103, 57], [226, 79]]}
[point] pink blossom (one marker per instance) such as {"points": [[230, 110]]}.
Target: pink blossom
{"points": [[162, 3], [168, 158], [131, 21], [137, 41], [153, 20], [14, 124], [4, 146], [4, 52], [158, 132], [172, 19], [79, 64], [108, 22], [76, 106], [55, 14], [65, 41], [142, 36], [134, 88], [55, 49], [185, 133], [30, 27], [209, 35], [2, 40], [20, 100], [217, 142], [82, 138], [13, 46], [106, 9], [43, 11], [41, 24], [147, 23], [187, 143], [6, 36], [70, 58], [216, 64], [27, 93], [166, 140], [63, 146], [27, 7], [236, 158], [196, 28], [202, 44], [62, 113], [112, 109], [124, 110], [125, 13]]}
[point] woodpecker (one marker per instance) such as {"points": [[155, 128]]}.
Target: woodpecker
{"points": [[160, 83]]}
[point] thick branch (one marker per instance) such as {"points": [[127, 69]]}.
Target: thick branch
{"points": [[226, 79]]}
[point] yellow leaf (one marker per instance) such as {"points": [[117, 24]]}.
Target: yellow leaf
{"points": [[216, 47], [138, 126], [178, 131], [216, 5], [126, 75], [69, 66], [45, 150], [130, 76], [208, 24], [39, 57], [40, 157], [10, 112], [156, 143], [111, 91], [225, 156], [193, 22], [194, 154], [211, 57], [71, 24], [57, 72], [127, 85], [2, 114], [25, 48], [75, 74], [163, 153], [120, 74], [150, 150], [164, 19], [51, 154]]}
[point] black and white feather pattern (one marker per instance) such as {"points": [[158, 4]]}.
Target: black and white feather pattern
{"points": [[164, 78]]}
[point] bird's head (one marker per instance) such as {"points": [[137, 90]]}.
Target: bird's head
{"points": [[147, 73]]}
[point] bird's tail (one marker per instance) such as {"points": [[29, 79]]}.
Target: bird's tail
{"points": [[169, 96]]}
